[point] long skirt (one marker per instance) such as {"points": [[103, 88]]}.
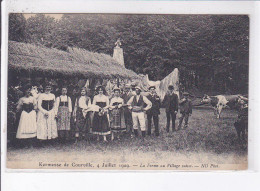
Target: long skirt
{"points": [[63, 122], [27, 125], [72, 126], [82, 123], [100, 125], [117, 121], [46, 127]]}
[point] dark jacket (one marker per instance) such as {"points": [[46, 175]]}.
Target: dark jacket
{"points": [[139, 103], [73, 101], [170, 102], [156, 104], [185, 106], [243, 114], [126, 97]]}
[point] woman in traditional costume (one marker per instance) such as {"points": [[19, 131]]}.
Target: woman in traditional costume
{"points": [[100, 125], [82, 116], [117, 114], [27, 127], [64, 107], [46, 120]]}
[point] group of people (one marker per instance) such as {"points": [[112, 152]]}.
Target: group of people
{"points": [[78, 116]]}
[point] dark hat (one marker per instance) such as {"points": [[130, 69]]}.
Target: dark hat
{"points": [[151, 87], [170, 87], [185, 93]]}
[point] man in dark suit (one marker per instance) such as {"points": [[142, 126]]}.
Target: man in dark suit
{"points": [[171, 107], [185, 109], [154, 112]]}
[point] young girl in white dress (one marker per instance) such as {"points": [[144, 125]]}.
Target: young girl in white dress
{"points": [[46, 122], [27, 125]]}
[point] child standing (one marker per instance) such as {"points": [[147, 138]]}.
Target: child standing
{"points": [[185, 109]]}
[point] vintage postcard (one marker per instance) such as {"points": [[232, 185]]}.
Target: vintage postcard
{"points": [[128, 91]]}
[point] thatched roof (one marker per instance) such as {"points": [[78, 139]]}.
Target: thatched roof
{"points": [[39, 59]]}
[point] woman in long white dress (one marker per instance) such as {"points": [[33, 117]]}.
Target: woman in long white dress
{"points": [[46, 122], [27, 125]]}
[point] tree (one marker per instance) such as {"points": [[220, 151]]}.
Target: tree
{"points": [[211, 51], [41, 29], [17, 27]]}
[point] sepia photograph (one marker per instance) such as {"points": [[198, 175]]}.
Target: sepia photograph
{"points": [[125, 92]]}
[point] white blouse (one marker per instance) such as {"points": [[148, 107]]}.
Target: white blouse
{"points": [[101, 98], [82, 102], [116, 99], [26, 100]]}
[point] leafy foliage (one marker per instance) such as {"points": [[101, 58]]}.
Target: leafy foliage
{"points": [[17, 27], [211, 51]]}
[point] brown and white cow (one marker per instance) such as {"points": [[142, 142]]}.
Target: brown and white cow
{"points": [[221, 101]]}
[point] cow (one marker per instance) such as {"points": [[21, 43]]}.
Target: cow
{"points": [[217, 102], [222, 101]]}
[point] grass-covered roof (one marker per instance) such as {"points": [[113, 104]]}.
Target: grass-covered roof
{"points": [[75, 61]]}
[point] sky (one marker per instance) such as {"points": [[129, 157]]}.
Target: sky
{"points": [[56, 16]]}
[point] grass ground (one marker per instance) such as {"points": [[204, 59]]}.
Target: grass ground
{"points": [[206, 140]]}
